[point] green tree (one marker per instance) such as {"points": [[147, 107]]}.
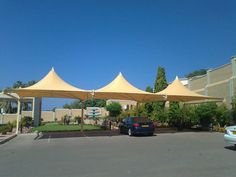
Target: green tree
{"points": [[20, 84], [149, 89], [77, 104], [32, 82], [11, 106], [148, 107], [95, 103], [7, 89], [160, 84], [114, 109], [140, 111], [196, 73], [67, 106]]}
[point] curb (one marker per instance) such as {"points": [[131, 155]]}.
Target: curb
{"points": [[165, 130], [8, 139]]}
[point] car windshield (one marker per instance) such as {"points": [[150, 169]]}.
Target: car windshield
{"points": [[140, 119]]}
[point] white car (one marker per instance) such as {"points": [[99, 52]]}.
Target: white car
{"points": [[230, 135]]}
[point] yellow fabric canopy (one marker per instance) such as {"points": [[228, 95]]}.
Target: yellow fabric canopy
{"points": [[176, 91], [120, 88], [52, 86]]}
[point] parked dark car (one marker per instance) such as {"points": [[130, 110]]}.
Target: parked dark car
{"points": [[137, 125]]}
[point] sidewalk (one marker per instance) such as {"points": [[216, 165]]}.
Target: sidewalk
{"points": [[7, 137]]}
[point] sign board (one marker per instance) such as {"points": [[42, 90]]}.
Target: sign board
{"points": [[93, 112]]}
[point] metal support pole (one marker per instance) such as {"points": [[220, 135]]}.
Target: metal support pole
{"points": [[82, 118], [82, 112], [18, 115], [137, 107]]}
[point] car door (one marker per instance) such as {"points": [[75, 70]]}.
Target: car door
{"points": [[122, 126], [128, 124]]}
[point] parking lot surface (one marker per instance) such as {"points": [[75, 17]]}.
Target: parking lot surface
{"points": [[189, 154]]}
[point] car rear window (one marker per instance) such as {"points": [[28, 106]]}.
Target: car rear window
{"points": [[140, 119]]}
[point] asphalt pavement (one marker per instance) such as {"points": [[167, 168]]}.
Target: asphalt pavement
{"points": [[189, 154]]}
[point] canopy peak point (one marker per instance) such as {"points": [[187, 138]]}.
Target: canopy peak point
{"points": [[52, 69]]}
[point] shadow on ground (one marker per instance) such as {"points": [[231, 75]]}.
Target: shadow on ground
{"points": [[232, 148], [46, 135], [101, 133]]}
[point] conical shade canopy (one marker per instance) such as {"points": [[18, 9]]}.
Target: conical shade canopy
{"points": [[52, 86], [176, 91], [120, 88]]}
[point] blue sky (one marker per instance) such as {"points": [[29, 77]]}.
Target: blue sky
{"points": [[89, 42]]}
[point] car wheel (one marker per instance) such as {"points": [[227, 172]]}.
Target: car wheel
{"points": [[130, 133]]}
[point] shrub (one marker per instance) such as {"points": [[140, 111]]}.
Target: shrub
{"points": [[162, 117], [175, 115], [206, 113], [26, 121], [218, 129], [223, 116], [123, 115], [190, 117], [233, 111], [154, 115], [114, 109], [141, 111], [65, 120], [13, 123], [62, 120], [77, 119], [6, 128]]}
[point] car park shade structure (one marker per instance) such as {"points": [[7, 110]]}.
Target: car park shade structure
{"points": [[51, 86], [121, 89], [176, 91], [54, 87]]}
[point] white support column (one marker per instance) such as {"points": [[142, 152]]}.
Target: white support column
{"points": [[33, 103], [18, 115]]}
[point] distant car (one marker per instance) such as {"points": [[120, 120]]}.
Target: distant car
{"points": [[137, 125], [230, 135]]}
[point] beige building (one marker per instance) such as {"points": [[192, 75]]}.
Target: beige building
{"points": [[125, 104], [50, 116], [35, 107], [218, 82], [36, 113]]}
